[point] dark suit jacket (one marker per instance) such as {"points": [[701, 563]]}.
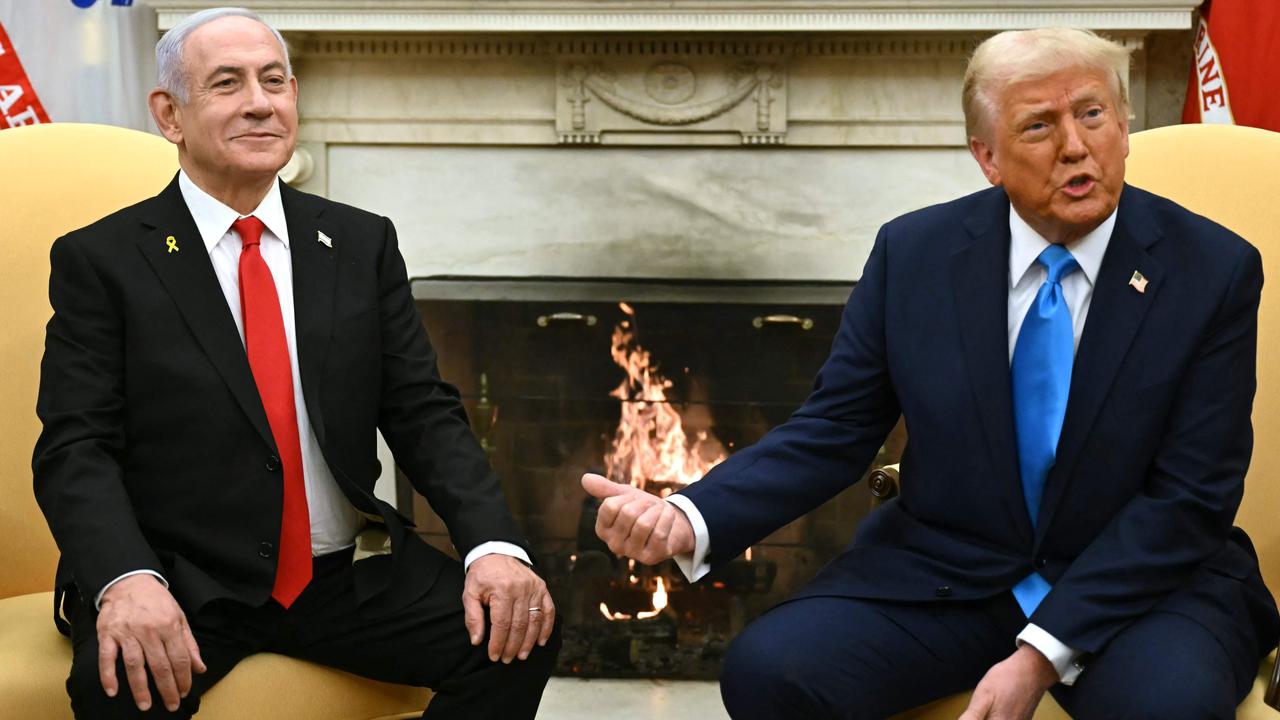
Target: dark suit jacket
{"points": [[1153, 451], [156, 451]]}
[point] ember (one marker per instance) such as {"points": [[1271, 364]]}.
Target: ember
{"points": [[659, 603]]}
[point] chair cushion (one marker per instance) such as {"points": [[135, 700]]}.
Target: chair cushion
{"points": [[35, 659], [949, 708], [1253, 708]]}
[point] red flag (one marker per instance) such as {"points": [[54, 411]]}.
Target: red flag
{"points": [[1235, 77], [18, 102]]}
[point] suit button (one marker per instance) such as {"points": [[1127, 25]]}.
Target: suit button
{"points": [[944, 591], [273, 463], [1041, 562], [265, 549]]}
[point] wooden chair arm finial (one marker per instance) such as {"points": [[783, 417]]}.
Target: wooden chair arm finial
{"points": [[883, 483]]}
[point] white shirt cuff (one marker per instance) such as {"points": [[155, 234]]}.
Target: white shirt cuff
{"points": [[693, 566], [97, 602], [1062, 657], [495, 547]]}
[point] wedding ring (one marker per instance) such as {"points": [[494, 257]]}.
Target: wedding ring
{"points": [[537, 609]]}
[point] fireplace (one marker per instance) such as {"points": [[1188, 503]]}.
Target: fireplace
{"points": [[759, 143], [540, 364]]}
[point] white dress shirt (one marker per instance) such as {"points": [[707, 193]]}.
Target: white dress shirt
{"points": [[1025, 278], [334, 520]]}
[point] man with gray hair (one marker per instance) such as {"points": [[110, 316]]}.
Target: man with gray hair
{"points": [[219, 362], [1074, 359]]}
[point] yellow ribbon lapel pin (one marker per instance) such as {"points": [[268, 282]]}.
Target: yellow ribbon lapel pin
{"points": [[172, 243]]}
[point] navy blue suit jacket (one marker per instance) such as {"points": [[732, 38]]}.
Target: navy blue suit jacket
{"points": [[1153, 451]]}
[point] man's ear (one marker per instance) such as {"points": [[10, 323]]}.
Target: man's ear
{"points": [[164, 110], [1124, 129], [986, 157]]}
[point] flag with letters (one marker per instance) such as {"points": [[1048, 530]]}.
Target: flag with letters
{"points": [[19, 104], [1235, 76], [77, 61]]}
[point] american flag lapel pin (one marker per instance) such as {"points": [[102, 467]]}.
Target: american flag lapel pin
{"points": [[324, 240], [1138, 282]]}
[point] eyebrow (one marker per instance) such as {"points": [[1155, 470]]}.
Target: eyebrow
{"points": [[239, 70], [1046, 109]]}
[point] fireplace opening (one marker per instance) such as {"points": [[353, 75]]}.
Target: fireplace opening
{"points": [[651, 383]]}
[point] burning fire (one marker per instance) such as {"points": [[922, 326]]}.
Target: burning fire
{"points": [[650, 444], [659, 603]]}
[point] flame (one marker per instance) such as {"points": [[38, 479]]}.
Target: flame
{"points": [[659, 604], [659, 601], [650, 443], [604, 610]]}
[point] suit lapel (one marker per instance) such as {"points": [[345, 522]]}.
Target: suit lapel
{"points": [[980, 277], [314, 279], [1115, 314], [188, 275]]}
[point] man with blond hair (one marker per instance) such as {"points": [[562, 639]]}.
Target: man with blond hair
{"points": [[1074, 358], [219, 362]]}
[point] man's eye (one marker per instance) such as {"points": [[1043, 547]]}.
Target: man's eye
{"points": [[1036, 126], [225, 82]]}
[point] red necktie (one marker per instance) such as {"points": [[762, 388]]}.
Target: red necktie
{"points": [[268, 351]]}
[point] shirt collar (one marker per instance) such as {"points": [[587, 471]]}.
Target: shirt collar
{"points": [[1026, 245], [213, 219]]}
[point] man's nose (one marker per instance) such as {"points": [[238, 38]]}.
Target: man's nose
{"points": [[1073, 148], [257, 104]]}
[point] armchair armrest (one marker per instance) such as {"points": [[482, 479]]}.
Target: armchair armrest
{"points": [[1272, 698], [883, 482]]}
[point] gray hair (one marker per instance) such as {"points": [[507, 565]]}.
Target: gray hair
{"points": [[1019, 55], [169, 65]]}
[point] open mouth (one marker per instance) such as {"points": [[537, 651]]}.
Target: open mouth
{"points": [[1079, 185]]}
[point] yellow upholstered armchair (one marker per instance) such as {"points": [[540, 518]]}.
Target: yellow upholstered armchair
{"points": [[1231, 175], [57, 178]]}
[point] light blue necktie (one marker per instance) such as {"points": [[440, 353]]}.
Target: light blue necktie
{"points": [[1041, 370]]}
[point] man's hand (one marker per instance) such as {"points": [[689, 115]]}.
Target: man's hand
{"points": [[140, 621], [511, 591], [1012, 688], [638, 524]]}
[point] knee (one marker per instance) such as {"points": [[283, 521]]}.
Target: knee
{"points": [[542, 658], [764, 677], [1181, 700], [748, 665], [90, 702]]}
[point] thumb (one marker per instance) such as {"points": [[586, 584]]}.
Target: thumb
{"points": [[602, 487], [197, 663], [979, 708]]}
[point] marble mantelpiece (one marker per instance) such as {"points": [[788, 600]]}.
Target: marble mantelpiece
{"points": [[644, 138]]}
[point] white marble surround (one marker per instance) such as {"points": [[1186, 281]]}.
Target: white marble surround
{"points": [[699, 139]]}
